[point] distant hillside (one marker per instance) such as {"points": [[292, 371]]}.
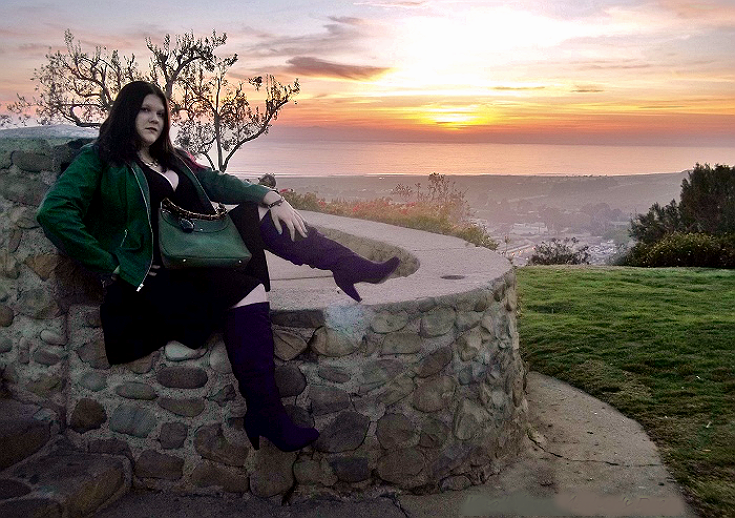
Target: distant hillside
{"points": [[630, 194]]}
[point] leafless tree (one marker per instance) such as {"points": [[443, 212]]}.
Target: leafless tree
{"points": [[79, 87], [214, 113]]}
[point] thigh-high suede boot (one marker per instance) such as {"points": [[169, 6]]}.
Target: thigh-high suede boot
{"points": [[318, 251], [249, 340]]}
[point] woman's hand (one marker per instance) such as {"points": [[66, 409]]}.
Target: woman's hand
{"points": [[286, 214]]}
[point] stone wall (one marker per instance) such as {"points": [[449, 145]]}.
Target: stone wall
{"points": [[421, 393], [33, 301]]}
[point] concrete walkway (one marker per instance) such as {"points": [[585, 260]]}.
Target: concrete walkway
{"points": [[583, 458]]}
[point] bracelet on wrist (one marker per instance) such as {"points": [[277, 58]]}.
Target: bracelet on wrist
{"points": [[275, 203]]}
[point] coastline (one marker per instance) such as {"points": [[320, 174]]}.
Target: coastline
{"points": [[336, 159], [629, 193]]}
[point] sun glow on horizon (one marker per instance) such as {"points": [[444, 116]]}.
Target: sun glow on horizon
{"points": [[499, 67], [454, 117]]}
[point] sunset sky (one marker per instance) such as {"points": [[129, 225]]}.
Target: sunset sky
{"points": [[556, 71]]}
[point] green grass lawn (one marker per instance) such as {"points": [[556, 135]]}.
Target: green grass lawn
{"points": [[659, 345]]}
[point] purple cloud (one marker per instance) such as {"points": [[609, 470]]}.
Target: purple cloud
{"points": [[315, 67]]}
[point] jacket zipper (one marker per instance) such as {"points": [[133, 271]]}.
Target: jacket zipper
{"points": [[125, 236], [150, 226]]}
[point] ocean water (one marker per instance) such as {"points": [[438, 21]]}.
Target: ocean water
{"points": [[301, 158]]}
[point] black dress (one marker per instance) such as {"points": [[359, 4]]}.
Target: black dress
{"points": [[185, 305]]}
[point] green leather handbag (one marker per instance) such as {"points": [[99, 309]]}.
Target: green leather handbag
{"points": [[193, 240]]}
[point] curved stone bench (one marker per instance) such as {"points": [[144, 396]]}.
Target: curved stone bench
{"points": [[419, 387]]}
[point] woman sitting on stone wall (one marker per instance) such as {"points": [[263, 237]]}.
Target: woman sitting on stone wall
{"points": [[102, 211]]}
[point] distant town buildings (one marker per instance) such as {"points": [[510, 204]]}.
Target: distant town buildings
{"points": [[521, 212]]}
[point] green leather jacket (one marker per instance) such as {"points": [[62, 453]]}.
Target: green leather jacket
{"points": [[99, 213]]}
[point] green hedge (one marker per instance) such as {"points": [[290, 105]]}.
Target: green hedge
{"points": [[685, 249]]}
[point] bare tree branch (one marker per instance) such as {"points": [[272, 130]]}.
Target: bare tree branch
{"points": [[78, 87], [214, 106], [210, 112], [172, 63]]}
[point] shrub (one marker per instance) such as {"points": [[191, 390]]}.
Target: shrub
{"points": [[657, 222], [727, 251], [433, 215], [708, 199], [707, 205], [685, 249], [697, 231], [559, 252]]}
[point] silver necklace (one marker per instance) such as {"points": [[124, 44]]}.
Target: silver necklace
{"points": [[153, 164]]}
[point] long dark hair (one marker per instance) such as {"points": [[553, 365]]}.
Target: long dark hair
{"points": [[119, 140]]}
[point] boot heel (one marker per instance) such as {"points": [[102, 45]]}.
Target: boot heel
{"points": [[347, 287], [249, 340], [255, 441]]}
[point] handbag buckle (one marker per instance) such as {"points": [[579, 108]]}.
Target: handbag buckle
{"points": [[186, 225]]}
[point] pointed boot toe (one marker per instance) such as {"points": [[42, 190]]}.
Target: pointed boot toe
{"points": [[351, 272]]}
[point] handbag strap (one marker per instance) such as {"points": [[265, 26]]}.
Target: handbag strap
{"points": [[187, 214]]}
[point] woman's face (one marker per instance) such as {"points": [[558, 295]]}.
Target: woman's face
{"points": [[150, 120]]}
